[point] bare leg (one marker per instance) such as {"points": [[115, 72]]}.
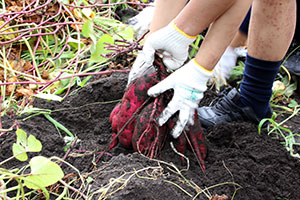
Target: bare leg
{"points": [[239, 40], [272, 27], [271, 30]]}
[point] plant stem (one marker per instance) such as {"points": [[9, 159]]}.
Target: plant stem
{"points": [[67, 77], [288, 118], [74, 189], [33, 58]]}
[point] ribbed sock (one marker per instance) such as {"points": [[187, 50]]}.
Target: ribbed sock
{"points": [[256, 86]]}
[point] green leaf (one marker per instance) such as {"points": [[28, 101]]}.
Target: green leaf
{"points": [[24, 145], [75, 43], [20, 152], [100, 49], [290, 89], [33, 144], [87, 28], [293, 104], [127, 34], [84, 81], [59, 125], [44, 172], [21, 137], [52, 97], [285, 80], [89, 179]]}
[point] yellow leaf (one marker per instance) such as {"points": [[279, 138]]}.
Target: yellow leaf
{"points": [[278, 86], [88, 13], [8, 36], [77, 14]]}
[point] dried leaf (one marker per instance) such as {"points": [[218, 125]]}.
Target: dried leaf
{"points": [[1, 75], [76, 12], [217, 197], [18, 66], [12, 79], [53, 9], [28, 66], [278, 86], [75, 27], [11, 88], [15, 8], [26, 92], [45, 75]]}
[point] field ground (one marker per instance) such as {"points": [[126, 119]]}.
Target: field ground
{"points": [[240, 162]]}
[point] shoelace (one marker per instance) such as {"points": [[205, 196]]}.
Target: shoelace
{"points": [[222, 94], [224, 104]]}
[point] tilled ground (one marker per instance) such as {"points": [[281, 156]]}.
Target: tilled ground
{"points": [[240, 163]]}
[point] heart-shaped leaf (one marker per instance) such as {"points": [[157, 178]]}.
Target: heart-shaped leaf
{"points": [[44, 172], [24, 145], [20, 152], [100, 49]]}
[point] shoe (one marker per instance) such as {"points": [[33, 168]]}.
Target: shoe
{"points": [[228, 110], [293, 63]]}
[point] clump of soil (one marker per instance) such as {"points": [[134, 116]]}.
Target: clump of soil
{"points": [[240, 162]]}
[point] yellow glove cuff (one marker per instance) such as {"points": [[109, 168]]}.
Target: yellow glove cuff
{"points": [[183, 33], [210, 71]]}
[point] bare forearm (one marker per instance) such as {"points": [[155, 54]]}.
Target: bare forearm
{"points": [[165, 12], [221, 34]]}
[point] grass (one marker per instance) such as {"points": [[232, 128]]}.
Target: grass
{"points": [[285, 134]]}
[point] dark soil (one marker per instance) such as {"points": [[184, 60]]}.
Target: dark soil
{"points": [[259, 164]]}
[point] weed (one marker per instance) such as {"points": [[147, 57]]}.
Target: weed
{"points": [[43, 171], [64, 43], [278, 130]]}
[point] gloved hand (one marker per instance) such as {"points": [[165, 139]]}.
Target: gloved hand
{"points": [[188, 83], [172, 42], [139, 68], [224, 67], [174, 45], [141, 22]]}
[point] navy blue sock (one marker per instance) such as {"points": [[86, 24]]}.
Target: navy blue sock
{"points": [[244, 28], [256, 86]]}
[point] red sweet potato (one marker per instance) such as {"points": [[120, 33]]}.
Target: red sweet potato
{"points": [[198, 140], [134, 97], [113, 117], [148, 138]]}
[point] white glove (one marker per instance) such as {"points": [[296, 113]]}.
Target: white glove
{"points": [[224, 67], [188, 83], [139, 68], [172, 42], [141, 22]]}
